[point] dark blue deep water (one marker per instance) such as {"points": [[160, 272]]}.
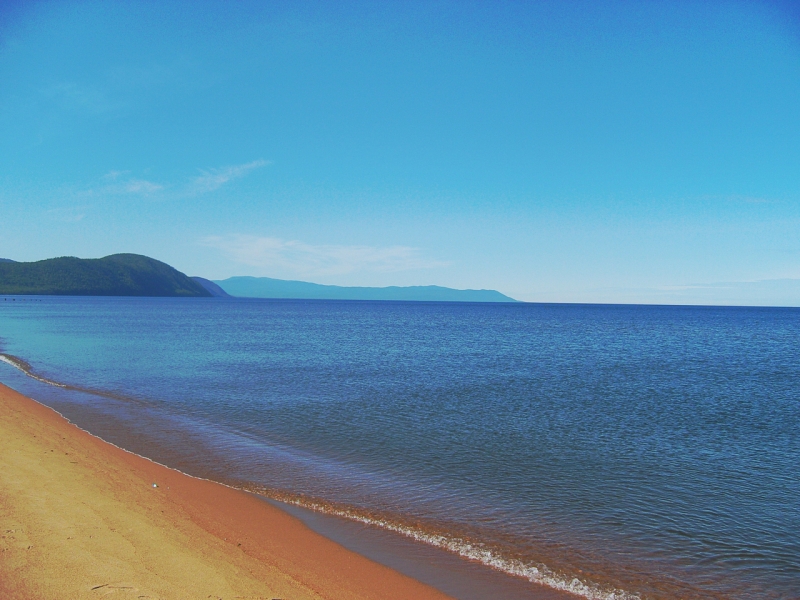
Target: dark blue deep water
{"points": [[650, 451]]}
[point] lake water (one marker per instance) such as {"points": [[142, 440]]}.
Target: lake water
{"points": [[616, 451]]}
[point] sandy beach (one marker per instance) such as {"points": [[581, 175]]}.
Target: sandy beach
{"points": [[81, 518]]}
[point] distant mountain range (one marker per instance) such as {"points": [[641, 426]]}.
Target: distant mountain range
{"points": [[136, 275], [265, 287], [211, 287], [115, 275]]}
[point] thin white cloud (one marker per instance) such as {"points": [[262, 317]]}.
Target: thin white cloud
{"points": [[302, 259], [121, 182], [141, 186], [115, 184], [114, 175], [67, 214], [82, 98], [213, 179]]}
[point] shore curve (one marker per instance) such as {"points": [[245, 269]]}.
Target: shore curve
{"points": [[82, 518]]}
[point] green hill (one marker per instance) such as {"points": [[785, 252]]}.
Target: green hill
{"points": [[115, 275], [265, 287]]}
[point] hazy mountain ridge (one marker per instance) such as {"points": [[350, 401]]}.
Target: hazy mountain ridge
{"points": [[211, 287], [137, 275], [115, 275], [266, 287]]}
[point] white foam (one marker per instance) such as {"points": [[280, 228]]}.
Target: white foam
{"points": [[540, 574], [17, 365]]}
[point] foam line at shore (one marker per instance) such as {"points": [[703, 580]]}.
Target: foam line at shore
{"points": [[539, 573], [23, 366]]}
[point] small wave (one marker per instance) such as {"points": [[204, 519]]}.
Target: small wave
{"points": [[26, 368], [535, 573]]}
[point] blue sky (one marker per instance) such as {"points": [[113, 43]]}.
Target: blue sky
{"points": [[555, 151]]}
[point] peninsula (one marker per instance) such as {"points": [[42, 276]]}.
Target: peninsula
{"points": [[266, 287]]}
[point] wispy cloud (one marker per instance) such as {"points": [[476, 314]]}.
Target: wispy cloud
{"points": [[82, 98], [114, 175], [213, 179], [117, 183], [302, 259], [67, 214], [122, 182], [141, 186]]}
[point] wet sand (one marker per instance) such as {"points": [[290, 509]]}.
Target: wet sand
{"points": [[80, 518]]}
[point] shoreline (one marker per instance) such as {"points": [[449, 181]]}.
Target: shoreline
{"points": [[252, 418], [447, 572], [80, 517]]}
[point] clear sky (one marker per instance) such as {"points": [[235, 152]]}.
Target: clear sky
{"points": [[555, 151]]}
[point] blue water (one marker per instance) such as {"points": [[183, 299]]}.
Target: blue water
{"points": [[650, 451]]}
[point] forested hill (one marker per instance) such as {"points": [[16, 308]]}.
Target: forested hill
{"points": [[115, 275]]}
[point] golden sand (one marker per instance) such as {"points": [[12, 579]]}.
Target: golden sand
{"points": [[80, 518]]}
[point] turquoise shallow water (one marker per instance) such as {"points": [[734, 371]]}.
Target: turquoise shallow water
{"points": [[624, 450]]}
